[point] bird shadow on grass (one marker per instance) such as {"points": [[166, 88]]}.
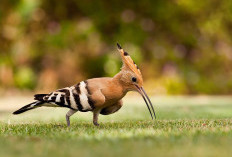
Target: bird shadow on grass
{"points": [[83, 124]]}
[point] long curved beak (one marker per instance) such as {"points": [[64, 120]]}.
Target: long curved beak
{"points": [[145, 98]]}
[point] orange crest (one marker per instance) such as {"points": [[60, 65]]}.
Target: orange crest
{"points": [[129, 64]]}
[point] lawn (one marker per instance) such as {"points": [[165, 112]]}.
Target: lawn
{"points": [[185, 126]]}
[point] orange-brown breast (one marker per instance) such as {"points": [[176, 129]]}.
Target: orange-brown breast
{"points": [[111, 89]]}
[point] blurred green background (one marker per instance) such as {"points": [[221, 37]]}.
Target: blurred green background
{"points": [[181, 47]]}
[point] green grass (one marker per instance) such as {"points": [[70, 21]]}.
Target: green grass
{"points": [[185, 126]]}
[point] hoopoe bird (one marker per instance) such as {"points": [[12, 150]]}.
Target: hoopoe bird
{"points": [[99, 95]]}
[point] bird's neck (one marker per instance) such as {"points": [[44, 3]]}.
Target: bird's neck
{"points": [[117, 77], [118, 81]]}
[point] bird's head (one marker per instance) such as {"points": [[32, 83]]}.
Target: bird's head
{"points": [[132, 78]]}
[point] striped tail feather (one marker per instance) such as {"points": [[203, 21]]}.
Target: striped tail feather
{"points": [[40, 97], [28, 107]]}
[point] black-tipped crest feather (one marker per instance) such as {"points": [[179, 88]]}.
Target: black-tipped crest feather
{"points": [[119, 47]]}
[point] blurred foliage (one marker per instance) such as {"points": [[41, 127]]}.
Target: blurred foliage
{"points": [[182, 47]]}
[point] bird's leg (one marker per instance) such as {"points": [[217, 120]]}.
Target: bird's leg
{"points": [[69, 114], [95, 117]]}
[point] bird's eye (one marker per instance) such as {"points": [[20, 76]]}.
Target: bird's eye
{"points": [[134, 79]]}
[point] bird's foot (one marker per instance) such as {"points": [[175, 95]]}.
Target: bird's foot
{"points": [[96, 123]]}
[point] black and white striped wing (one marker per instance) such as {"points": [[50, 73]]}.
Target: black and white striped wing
{"points": [[75, 97]]}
